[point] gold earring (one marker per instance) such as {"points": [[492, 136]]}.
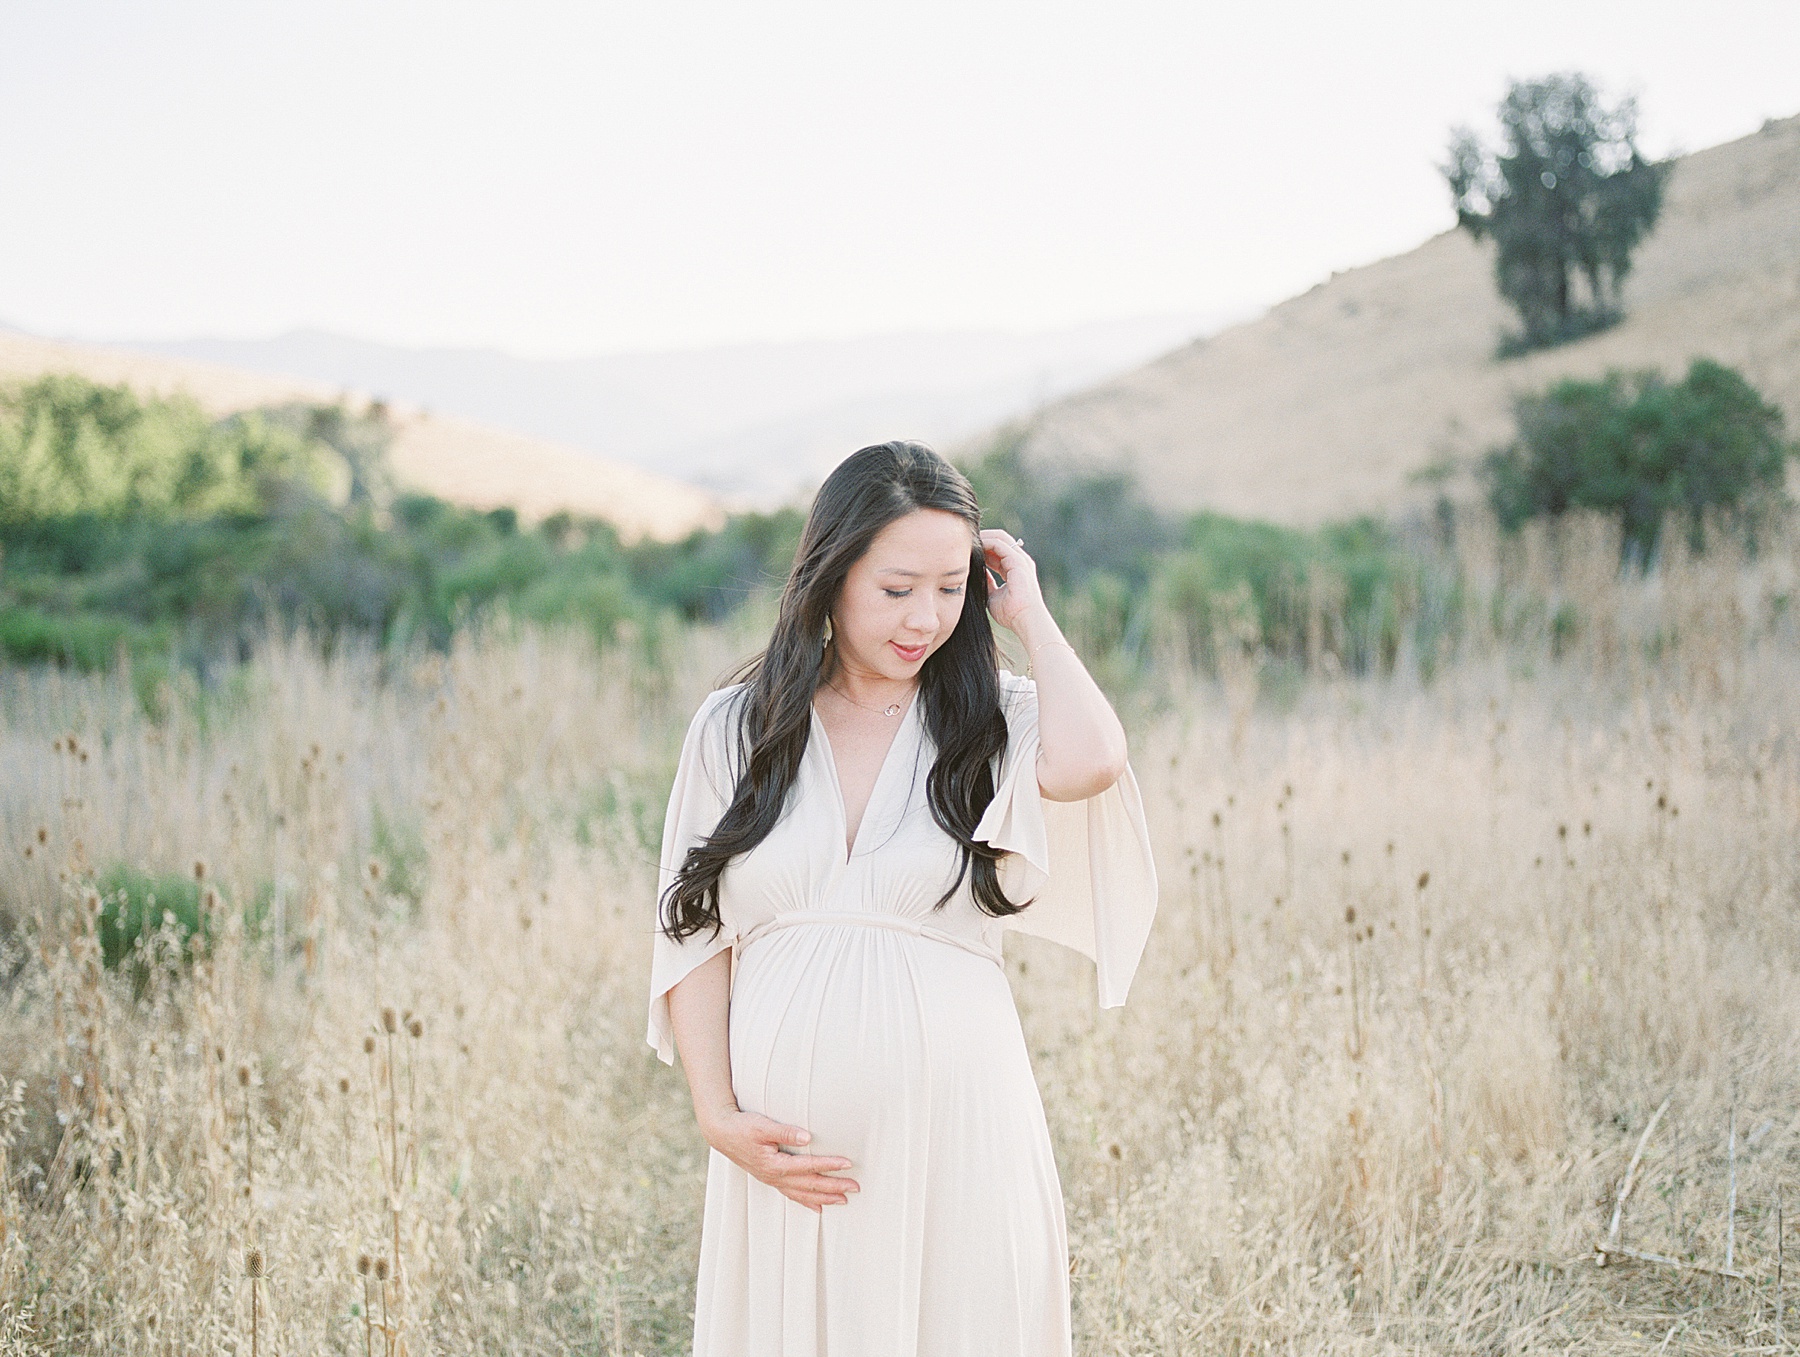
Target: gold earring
{"points": [[827, 640]]}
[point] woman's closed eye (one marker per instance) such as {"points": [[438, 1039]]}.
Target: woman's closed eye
{"points": [[902, 593]]}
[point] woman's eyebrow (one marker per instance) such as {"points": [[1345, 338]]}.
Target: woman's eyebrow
{"points": [[914, 574]]}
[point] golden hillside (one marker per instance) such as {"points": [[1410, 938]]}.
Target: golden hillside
{"points": [[456, 459], [1323, 406]]}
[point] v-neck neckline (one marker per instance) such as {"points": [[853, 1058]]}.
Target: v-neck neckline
{"points": [[830, 755]]}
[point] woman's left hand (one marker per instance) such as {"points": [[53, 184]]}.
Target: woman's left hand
{"points": [[1018, 590]]}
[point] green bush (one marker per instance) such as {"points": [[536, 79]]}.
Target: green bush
{"points": [[69, 446], [1644, 449], [134, 904], [1336, 589]]}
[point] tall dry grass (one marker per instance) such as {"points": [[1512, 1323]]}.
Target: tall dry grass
{"points": [[1429, 955]]}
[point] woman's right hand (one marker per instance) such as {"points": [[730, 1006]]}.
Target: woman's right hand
{"points": [[751, 1141]]}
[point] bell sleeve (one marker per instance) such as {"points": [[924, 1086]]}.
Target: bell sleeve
{"points": [[700, 795], [1087, 863]]}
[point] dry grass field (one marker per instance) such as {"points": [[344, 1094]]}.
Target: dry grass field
{"points": [[1430, 958]]}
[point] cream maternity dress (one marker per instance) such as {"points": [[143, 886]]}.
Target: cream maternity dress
{"points": [[888, 1030]]}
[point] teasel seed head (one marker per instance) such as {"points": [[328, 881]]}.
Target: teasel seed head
{"points": [[368, 1045], [43, 834], [243, 1076], [416, 1027], [1113, 1151], [363, 1264], [381, 1269], [387, 1019], [253, 1263], [199, 869], [374, 869], [1424, 879], [343, 1084], [1350, 915]]}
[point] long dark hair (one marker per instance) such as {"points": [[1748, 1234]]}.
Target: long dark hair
{"points": [[958, 684]]}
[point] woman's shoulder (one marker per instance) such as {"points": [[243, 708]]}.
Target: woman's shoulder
{"points": [[719, 697], [712, 714]]}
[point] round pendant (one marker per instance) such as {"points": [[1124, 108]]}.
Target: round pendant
{"points": [[892, 709]]}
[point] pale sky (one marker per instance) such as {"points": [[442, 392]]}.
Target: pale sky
{"points": [[582, 178]]}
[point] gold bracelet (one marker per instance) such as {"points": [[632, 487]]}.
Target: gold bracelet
{"points": [[1031, 656]]}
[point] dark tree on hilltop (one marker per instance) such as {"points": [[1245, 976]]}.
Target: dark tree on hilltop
{"points": [[1567, 197]]}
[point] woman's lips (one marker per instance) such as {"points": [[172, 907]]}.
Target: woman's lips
{"points": [[906, 654]]}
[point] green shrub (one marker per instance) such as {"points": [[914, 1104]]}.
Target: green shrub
{"points": [[1642, 448], [135, 903], [71, 446]]}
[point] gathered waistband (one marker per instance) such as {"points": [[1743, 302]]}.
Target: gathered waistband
{"points": [[898, 922]]}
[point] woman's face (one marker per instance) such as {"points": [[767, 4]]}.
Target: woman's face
{"points": [[902, 598]]}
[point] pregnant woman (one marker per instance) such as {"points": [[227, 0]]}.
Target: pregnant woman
{"points": [[853, 825]]}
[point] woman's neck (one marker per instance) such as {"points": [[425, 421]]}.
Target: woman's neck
{"points": [[868, 689]]}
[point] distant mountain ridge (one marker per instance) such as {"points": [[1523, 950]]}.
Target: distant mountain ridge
{"points": [[754, 423], [1331, 403]]}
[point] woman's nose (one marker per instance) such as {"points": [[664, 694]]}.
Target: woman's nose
{"points": [[922, 618]]}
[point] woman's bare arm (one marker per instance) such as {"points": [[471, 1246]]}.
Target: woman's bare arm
{"points": [[699, 1013], [1083, 744]]}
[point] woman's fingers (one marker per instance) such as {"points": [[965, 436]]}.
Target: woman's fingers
{"points": [[780, 1133], [998, 546], [808, 1163], [1004, 552], [819, 1183], [809, 1179]]}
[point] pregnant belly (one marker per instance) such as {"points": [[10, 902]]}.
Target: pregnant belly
{"points": [[869, 1038]]}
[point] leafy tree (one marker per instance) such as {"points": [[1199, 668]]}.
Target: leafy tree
{"points": [[1567, 197], [1644, 448]]}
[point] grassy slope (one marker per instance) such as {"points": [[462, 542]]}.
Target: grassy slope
{"points": [[1321, 408]]}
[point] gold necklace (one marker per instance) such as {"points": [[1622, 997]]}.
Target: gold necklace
{"points": [[892, 708]]}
